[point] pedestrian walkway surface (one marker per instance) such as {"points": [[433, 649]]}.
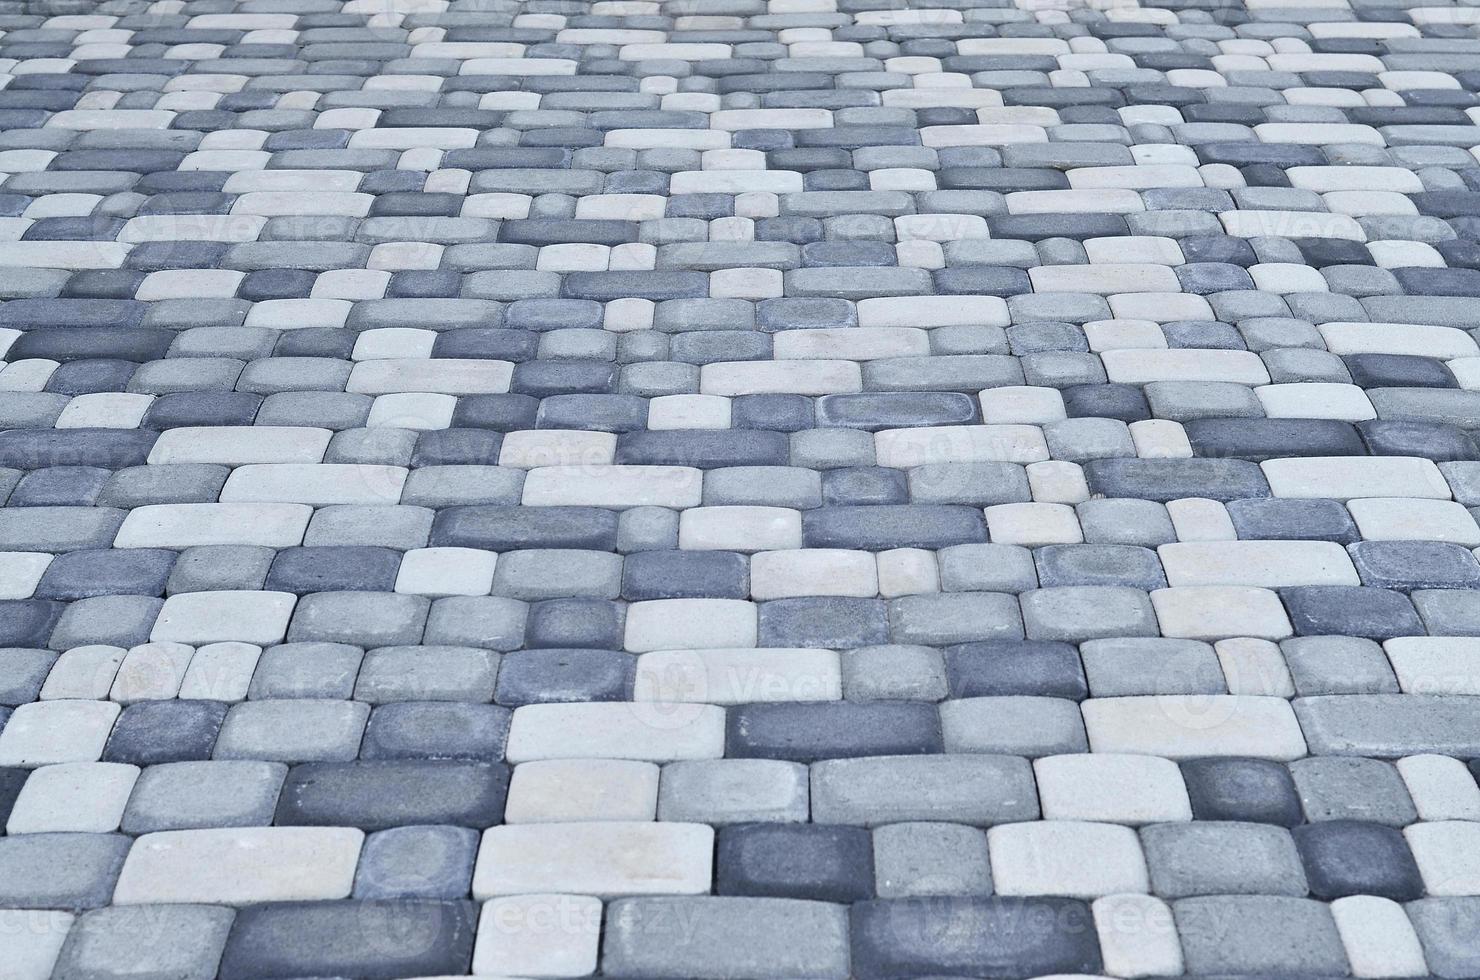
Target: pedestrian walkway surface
{"points": [[723, 489]]}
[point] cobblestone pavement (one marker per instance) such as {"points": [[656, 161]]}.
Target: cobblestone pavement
{"points": [[739, 489]]}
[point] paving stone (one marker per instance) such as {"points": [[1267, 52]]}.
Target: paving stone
{"points": [[393, 793], [976, 789], [1348, 857], [604, 859], [371, 938], [192, 795], [64, 871], [725, 791], [822, 730], [644, 940], [106, 942], [925, 936], [1258, 933], [1208, 857], [808, 861], [912, 859], [1352, 789], [416, 862]]}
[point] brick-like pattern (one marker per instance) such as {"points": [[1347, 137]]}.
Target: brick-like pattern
{"points": [[722, 489]]}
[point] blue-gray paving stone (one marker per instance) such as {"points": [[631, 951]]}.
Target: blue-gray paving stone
{"points": [[1398, 370], [501, 528], [27, 623], [685, 574], [1007, 668], [152, 732], [808, 732], [1408, 565], [11, 781], [1001, 936], [864, 485], [207, 568], [871, 411], [503, 413], [59, 486], [878, 528], [822, 862], [1377, 613], [377, 940], [705, 449], [1291, 519], [457, 447], [330, 569], [595, 412], [379, 794], [800, 312], [777, 412], [417, 862], [189, 408], [536, 676], [1171, 479], [1438, 441], [34, 449], [1099, 564], [91, 376], [574, 622], [436, 730], [1261, 439], [831, 622], [1350, 857], [1249, 790]]}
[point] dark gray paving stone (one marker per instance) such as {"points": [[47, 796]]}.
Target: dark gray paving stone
{"points": [[830, 622], [329, 569], [393, 793], [496, 528], [82, 574], [803, 732], [1172, 479], [1252, 790], [1321, 610], [1287, 519], [377, 940], [151, 732], [1346, 857], [685, 574], [1006, 668], [1407, 565], [973, 937], [892, 526], [811, 861], [436, 730], [537, 676]]}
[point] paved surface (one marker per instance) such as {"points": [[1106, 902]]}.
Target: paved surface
{"points": [[738, 489]]}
